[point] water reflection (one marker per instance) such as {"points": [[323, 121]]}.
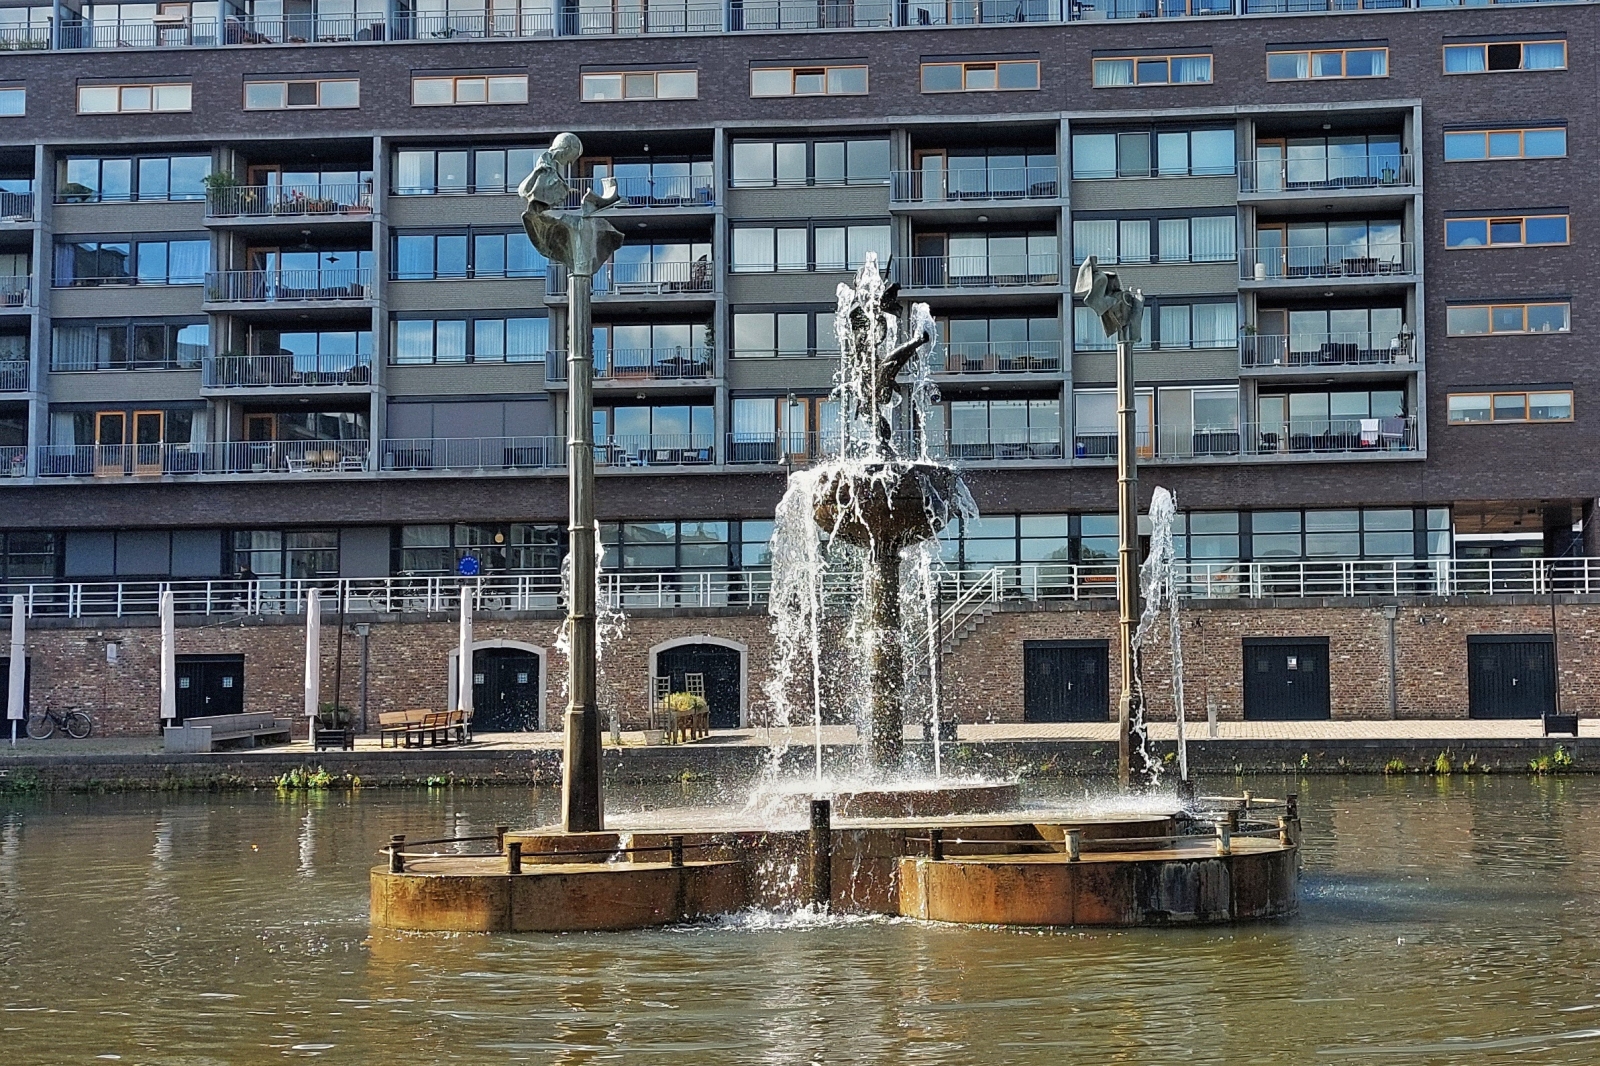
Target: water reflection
{"points": [[1443, 922]]}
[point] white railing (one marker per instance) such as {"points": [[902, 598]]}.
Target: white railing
{"points": [[301, 29], [1325, 349], [13, 375], [975, 183], [640, 279], [285, 371], [290, 201], [30, 38], [965, 592], [1366, 260], [633, 364], [762, 15], [1258, 440], [1376, 171], [671, 190], [288, 286], [16, 207], [998, 357], [977, 271], [223, 457], [16, 290]]}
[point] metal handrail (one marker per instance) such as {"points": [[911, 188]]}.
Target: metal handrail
{"points": [[1374, 259], [978, 183], [1377, 170]]}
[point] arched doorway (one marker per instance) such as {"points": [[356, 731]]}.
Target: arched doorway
{"points": [[722, 664], [507, 686]]}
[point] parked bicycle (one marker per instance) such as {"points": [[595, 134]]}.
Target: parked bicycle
{"points": [[76, 724]]}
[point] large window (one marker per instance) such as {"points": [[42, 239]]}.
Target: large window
{"points": [[1155, 153], [426, 171], [445, 91], [809, 81], [641, 85], [1192, 239], [514, 547], [980, 76], [832, 162], [766, 249], [1483, 320], [1534, 142], [301, 555], [1328, 63], [1480, 58], [129, 261], [29, 555], [86, 179], [13, 101], [314, 351], [133, 99], [324, 93], [1000, 429], [642, 435], [1371, 533], [1505, 231], [987, 345], [766, 334], [470, 254], [470, 339], [1475, 407], [1169, 323], [660, 349], [1152, 70], [129, 344], [686, 545]]}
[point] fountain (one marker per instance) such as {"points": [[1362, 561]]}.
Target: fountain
{"points": [[881, 838]]}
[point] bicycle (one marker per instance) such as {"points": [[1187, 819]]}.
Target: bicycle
{"points": [[75, 723]]}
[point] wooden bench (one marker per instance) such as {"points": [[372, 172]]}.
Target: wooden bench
{"points": [[395, 727], [420, 727], [208, 733]]}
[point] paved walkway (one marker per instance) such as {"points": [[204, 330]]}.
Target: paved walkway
{"points": [[1440, 730]]}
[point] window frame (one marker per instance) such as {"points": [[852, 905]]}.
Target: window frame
{"points": [[968, 65], [1492, 395], [1136, 60], [1521, 43], [622, 85], [1491, 131], [470, 355], [1525, 305], [810, 227], [287, 106], [457, 80], [153, 87], [20, 92], [134, 160], [1490, 221], [824, 69], [172, 325], [469, 234], [1344, 62]]}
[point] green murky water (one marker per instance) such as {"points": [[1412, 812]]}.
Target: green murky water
{"points": [[1442, 922]]}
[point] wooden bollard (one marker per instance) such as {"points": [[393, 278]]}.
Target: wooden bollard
{"points": [[1291, 805], [500, 832], [936, 845], [1284, 836], [1224, 837], [821, 853], [1247, 798], [1074, 845], [397, 859], [514, 857], [675, 850]]}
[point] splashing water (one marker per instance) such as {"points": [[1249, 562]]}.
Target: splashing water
{"points": [[610, 626], [1157, 577]]}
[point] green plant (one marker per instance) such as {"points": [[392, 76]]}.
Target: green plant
{"points": [[1554, 763], [333, 716], [221, 179], [685, 702], [1394, 767], [1305, 760], [303, 778], [1442, 765]]}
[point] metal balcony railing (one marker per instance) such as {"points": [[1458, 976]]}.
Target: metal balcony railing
{"points": [[13, 460], [288, 286], [226, 457], [977, 271], [33, 37], [290, 201], [1325, 349], [16, 290], [13, 375], [628, 20], [635, 364], [1386, 170], [285, 371], [656, 449], [472, 453], [1258, 440], [976, 12], [301, 29], [1364, 260], [138, 33], [684, 190], [641, 279], [998, 357], [974, 183], [473, 25], [755, 16], [16, 207]]}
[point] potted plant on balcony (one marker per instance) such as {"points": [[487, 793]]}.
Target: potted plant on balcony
{"points": [[221, 199]]}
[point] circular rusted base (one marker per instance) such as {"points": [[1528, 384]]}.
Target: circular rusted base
{"points": [[887, 506]]}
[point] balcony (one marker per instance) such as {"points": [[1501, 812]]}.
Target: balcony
{"points": [[16, 207], [999, 357], [13, 375], [160, 32], [656, 449], [464, 454], [288, 286], [764, 15], [1260, 440], [978, 12], [228, 457], [285, 371], [1361, 173], [16, 290], [1365, 262], [685, 190], [291, 201], [630, 365], [976, 271], [1266, 350], [1150, 9], [471, 25], [960, 185], [641, 279], [34, 37]]}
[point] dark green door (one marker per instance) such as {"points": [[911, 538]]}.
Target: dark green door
{"points": [[506, 683]]}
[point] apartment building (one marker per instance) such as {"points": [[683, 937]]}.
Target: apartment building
{"points": [[265, 299]]}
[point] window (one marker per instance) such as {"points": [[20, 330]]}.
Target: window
{"points": [[30, 555], [668, 433], [642, 85], [808, 81], [1198, 239], [516, 547], [789, 334], [1328, 63], [686, 545], [1509, 231], [1468, 408], [128, 261], [1001, 429], [980, 77], [1542, 142], [988, 345], [1178, 325], [764, 249], [278, 95], [679, 350], [426, 171], [131, 344], [767, 428], [474, 89], [1152, 153], [466, 254], [510, 339], [1152, 70], [1482, 320], [1505, 55], [767, 163], [133, 99], [160, 177], [13, 101]]}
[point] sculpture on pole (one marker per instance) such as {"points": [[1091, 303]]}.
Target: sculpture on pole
{"points": [[581, 241], [1121, 315]]}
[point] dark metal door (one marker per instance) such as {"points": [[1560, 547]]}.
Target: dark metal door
{"points": [[209, 684], [1286, 679], [506, 683], [721, 667], [1510, 676], [1066, 681], [27, 686]]}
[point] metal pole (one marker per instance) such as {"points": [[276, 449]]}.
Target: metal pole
{"points": [[364, 631], [1555, 642], [582, 810], [1127, 553]]}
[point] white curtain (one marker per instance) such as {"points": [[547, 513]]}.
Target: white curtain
{"points": [[1174, 245], [1191, 70], [1135, 234], [1550, 55], [1465, 59], [1110, 72], [1216, 325], [1175, 326], [1212, 239], [1097, 237]]}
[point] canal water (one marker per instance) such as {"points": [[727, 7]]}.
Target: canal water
{"points": [[1442, 921]]}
